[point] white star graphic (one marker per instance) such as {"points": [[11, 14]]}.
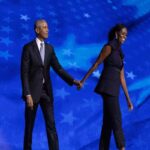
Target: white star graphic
{"points": [[5, 55], [73, 65], [51, 13], [67, 52], [96, 74], [68, 118], [6, 41], [25, 36], [109, 1], [130, 75], [57, 30], [24, 17], [114, 7], [86, 15], [62, 93], [70, 3], [6, 29]]}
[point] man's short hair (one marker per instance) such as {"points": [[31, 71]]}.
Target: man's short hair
{"points": [[37, 22]]}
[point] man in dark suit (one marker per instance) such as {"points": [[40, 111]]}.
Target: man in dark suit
{"points": [[37, 58]]}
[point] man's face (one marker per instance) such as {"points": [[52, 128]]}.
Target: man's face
{"points": [[42, 30]]}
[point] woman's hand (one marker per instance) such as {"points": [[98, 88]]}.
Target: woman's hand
{"points": [[80, 85], [130, 105]]}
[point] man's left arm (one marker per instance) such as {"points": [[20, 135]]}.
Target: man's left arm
{"points": [[61, 72]]}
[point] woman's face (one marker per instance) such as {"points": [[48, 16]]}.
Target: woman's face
{"points": [[122, 35]]}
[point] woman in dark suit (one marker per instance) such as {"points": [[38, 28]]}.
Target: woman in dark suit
{"points": [[108, 87]]}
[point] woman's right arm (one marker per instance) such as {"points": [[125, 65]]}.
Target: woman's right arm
{"points": [[104, 53], [125, 89]]}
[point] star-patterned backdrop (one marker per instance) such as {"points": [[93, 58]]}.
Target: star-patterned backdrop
{"points": [[78, 30]]}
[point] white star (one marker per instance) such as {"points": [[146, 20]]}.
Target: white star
{"points": [[57, 30], [62, 93], [51, 13], [130, 75], [114, 7], [25, 36], [24, 17], [6, 29], [67, 52], [109, 1], [5, 55], [73, 65], [86, 15], [70, 3], [6, 41], [96, 74], [68, 118]]}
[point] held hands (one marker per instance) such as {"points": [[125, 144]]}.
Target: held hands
{"points": [[78, 84], [29, 101]]}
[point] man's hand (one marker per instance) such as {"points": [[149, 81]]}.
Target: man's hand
{"points": [[76, 82], [29, 101], [81, 85]]}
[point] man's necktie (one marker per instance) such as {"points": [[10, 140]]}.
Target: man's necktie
{"points": [[42, 51]]}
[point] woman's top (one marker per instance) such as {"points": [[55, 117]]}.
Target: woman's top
{"points": [[109, 82]]}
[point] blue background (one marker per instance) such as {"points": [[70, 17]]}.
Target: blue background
{"points": [[78, 30]]}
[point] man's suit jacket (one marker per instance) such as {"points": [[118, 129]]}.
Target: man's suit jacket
{"points": [[33, 70]]}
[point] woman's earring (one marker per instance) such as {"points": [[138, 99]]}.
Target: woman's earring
{"points": [[116, 36]]}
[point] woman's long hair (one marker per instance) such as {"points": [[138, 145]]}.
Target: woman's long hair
{"points": [[113, 30]]}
